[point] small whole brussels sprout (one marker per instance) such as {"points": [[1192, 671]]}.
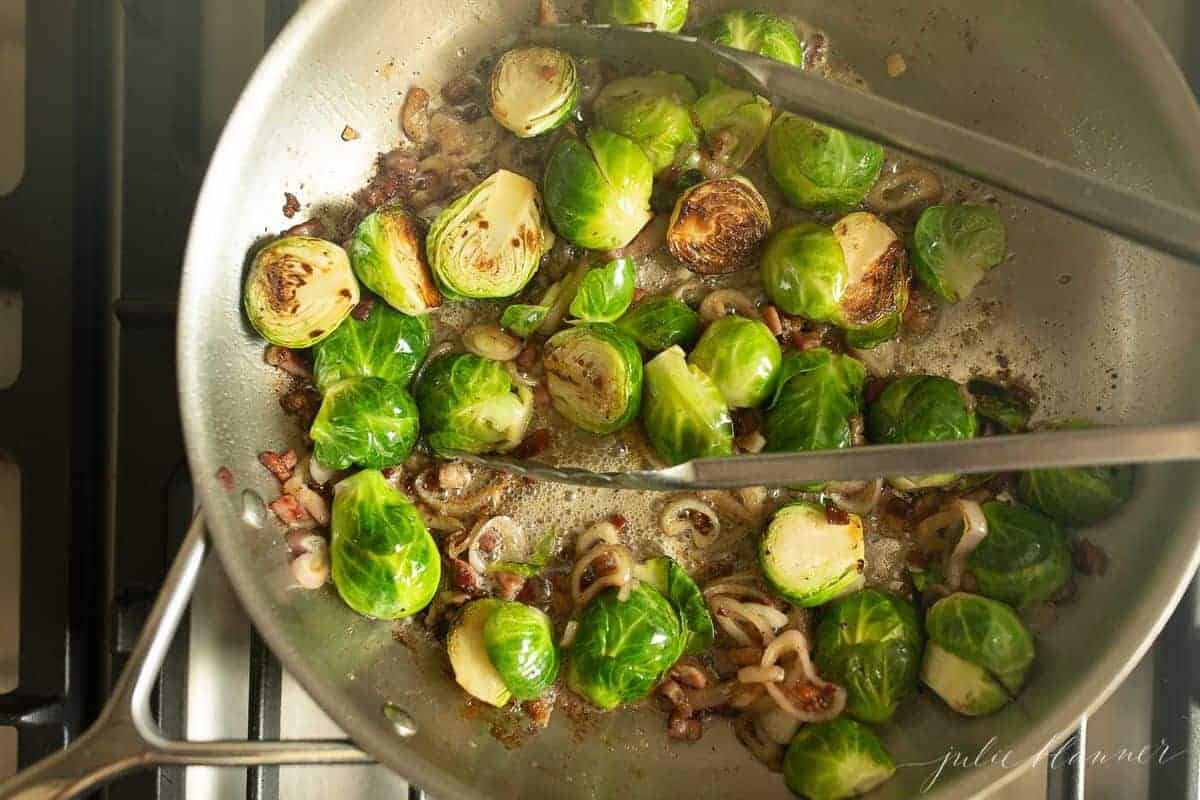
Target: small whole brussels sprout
{"points": [[734, 122], [742, 358], [388, 256], [817, 394], [387, 345], [683, 412], [808, 559], [299, 290], [383, 561], [657, 323], [489, 242], [1076, 495], [673, 583], [853, 275], [756, 32], [523, 320], [622, 649], [921, 408], [598, 189], [664, 15], [870, 642], [1024, 558], [605, 292], [653, 110], [717, 226], [470, 403], [364, 421], [500, 649], [978, 655], [594, 376], [954, 246], [819, 167], [836, 760], [533, 90]]}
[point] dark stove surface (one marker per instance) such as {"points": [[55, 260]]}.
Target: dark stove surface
{"points": [[130, 100]]}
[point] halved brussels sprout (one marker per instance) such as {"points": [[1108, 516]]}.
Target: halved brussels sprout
{"points": [[1024, 558], [672, 582], [819, 167], [1076, 495], [734, 122], [533, 90], [870, 643], [386, 345], [299, 290], [364, 421], [808, 559], [489, 242], [683, 412], [622, 649], [388, 256], [817, 393], [853, 275], [594, 376], [921, 408], [664, 15], [979, 653], [836, 760], [742, 358], [717, 226], [383, 561], [598, 189], [605, 292], [660, 322], [500, 649], [653, 110], [470, 403], [954, 246], [523, 320], [999, 405], [757, 32]]}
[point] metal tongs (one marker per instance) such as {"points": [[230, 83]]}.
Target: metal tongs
{"points": [[1136, 216]]}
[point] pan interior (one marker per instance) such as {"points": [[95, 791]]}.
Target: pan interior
{"points": [[1097, 327]]}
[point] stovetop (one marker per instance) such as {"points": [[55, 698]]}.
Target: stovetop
{"points": [[97, 182]]}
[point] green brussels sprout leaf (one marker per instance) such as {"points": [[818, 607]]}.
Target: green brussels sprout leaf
{"points": [[298, 290], [533, 90], [523, 320], [818, 167], [622, 649], [519, 640], [671, 581], [383, 561], [657, 323], [921, 408], [605, 292], [1024, 558], [735, 123], [683, 412], [389, 258], [489, 242], [1076, 495], [543, 551], [386, 345], [653, 110], [742, 358], [836, 760], [594, 376], [364, 421], [665, 15], [598, 189], [809, 559], [999, 405], [870, 643], [817, 393], [470, 403], [954, 246], [756, 32]]}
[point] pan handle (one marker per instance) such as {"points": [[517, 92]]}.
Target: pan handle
{"points": [[125, 736]]}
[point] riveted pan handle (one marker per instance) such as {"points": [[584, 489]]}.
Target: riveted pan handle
{"points": [[125, 737]]}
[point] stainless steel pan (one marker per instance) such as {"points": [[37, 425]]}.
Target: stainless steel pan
{"points": [[1099, 327]]}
